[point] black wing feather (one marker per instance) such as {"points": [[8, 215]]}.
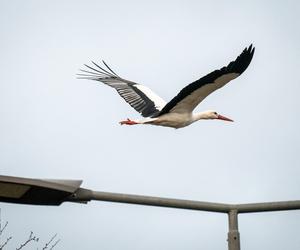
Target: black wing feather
{"points": [[238, 66], [128, 90]]}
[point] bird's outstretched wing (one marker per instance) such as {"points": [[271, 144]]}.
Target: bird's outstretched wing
{"points": [[140, 97], [190, 96]]}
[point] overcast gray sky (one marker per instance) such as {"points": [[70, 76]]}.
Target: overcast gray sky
{"points": [[55, 126]]}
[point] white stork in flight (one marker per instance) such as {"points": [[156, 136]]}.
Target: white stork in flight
{"points": [[178, 112]]}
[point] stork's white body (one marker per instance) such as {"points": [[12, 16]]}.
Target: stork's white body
{"points": [[173, 120], [178, 120]]}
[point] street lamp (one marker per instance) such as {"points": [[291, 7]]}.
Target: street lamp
{"points": [[36, 191], [55, 192]]}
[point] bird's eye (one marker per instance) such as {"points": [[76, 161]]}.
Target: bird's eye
{"points": [[215, 113]]}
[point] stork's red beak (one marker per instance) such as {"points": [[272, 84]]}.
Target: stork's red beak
{"points": [[220, 117]]}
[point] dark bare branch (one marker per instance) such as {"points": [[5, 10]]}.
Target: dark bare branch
{"points": [[56, 242], [5, 243], [3, 228], [31, 238], [49, 242]]}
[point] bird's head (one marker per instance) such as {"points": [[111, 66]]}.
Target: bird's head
{"points": [[211, 114]]}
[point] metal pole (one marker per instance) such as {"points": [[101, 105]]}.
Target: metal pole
{"points": [[268, 206], [233, 234], [86, 195]]}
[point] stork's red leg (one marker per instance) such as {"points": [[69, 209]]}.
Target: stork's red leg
{"points": [[128, 122]]}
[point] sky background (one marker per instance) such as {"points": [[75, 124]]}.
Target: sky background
{"points": [[56, 126]]}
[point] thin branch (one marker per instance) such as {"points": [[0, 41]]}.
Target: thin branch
{"points": [[49, 242], [2, 229], [56, 242], [31, 238], [5, 243]]}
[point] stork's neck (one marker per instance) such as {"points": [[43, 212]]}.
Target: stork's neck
{"points": [[201, 116]]}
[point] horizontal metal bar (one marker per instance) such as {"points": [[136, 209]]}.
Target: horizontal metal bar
{"points": [[85, 195], [268, 206]]}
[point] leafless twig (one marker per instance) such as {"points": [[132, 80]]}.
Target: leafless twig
{"points": [[56, 242], [3, 228], [49, 242], [5, 243], [1, 232], [31, 238]]}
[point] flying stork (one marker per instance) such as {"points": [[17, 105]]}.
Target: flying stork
{"points": [[178, 112]]}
